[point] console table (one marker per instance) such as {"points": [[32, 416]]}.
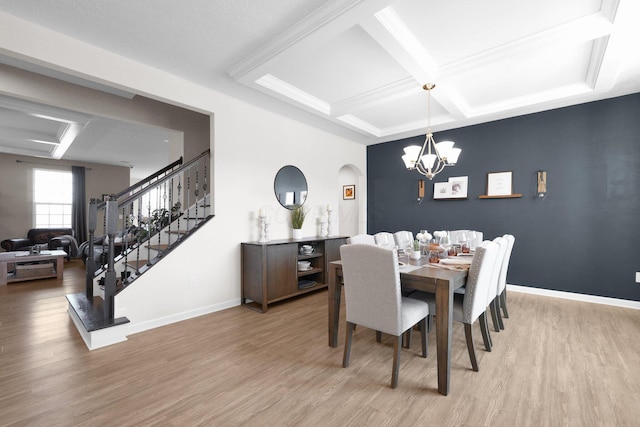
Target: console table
{"points": [[270, 270], [29, 266]]}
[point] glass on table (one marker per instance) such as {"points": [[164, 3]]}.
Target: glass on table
{"points": [[451, 250], [465, 247], [434, 256]]}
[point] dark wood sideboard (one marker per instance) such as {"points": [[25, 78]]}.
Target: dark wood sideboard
{"points": [[270, 270]]}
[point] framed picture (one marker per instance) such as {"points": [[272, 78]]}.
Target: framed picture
{"points": [[459, 185], [348, 192], [441, 190], [499, 183]]}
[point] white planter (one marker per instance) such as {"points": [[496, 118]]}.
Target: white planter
{"points": [[297, 233]]}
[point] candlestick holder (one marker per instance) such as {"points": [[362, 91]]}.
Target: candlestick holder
{"points": [[323, 229], [329, 223], [264, 229]]}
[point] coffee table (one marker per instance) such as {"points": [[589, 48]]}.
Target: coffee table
{"points": [[32, 266]]}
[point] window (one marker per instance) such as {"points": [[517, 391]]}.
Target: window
{"points": [[52, 195]]}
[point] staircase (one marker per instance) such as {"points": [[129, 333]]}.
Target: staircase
{"points": [[136, 229]]}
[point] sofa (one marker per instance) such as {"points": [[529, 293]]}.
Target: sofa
{"points": [[46, 238]]}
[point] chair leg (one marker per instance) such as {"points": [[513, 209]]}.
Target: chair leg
{"points": [[468, 333], [347, 344], [484, 328], [503, 303], [407, 338], [378, 336], [397, 347], [423, 336], [496, 302], [494, 316]]}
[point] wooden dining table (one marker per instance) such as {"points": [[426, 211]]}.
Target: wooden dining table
{"points": [[428, 278]]}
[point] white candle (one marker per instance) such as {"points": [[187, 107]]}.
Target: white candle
{"points": [[263, 212], [329, 208]]}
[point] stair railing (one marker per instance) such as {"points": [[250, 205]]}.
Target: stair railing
{"points": [[152, 218]]}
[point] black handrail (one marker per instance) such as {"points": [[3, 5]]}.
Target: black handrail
{"points": [[165, 178], [150, 178]]}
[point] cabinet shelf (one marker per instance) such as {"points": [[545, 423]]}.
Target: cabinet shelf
{"points": [[310, 256], [308, 272]]}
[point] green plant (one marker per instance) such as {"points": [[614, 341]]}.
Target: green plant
{"points": [[298, 215], [416, 245]]}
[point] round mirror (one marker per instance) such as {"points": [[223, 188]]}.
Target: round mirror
{"points": [[290, 187]]}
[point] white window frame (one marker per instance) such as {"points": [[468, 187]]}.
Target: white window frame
{"points": [[49, 203]]}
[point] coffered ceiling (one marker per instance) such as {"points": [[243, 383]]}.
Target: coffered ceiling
{"points": [[356, 67]]}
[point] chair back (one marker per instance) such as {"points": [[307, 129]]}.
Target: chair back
{"points": [[372, 287], [502, 280], [503, 244], [403, 238], [361, 239], [385, 239], [479, 281], [474, 238]]}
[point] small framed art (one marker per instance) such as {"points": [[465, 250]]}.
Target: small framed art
{"points": [[348, 192], [499, 183], [441, 190], [459, 185]]}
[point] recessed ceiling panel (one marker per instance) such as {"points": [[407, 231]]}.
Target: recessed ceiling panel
{"points": [[349, 64], [451, 30], [522, 76], [402, 111]]}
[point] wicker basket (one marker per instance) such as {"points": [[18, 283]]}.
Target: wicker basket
{"points": [[34, 270]]}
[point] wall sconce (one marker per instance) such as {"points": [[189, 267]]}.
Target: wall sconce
{"points": [[420, 190], [542, 184]]}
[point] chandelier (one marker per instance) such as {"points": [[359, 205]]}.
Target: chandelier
{"points": [[437, 155]]}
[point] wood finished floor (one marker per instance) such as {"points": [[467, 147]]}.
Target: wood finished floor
{"points": [[558, 363]]}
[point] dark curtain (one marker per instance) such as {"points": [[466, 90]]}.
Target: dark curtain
{"points": [[78, 204]]}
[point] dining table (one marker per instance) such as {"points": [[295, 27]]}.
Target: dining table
{"points": [[417, 275]]}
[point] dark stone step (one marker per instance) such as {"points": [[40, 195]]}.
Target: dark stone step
{"points": [[91, 313]]}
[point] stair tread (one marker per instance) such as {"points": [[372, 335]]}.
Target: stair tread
{"points": [[91, 313], [160, 247], [137, 263], [176, 231]]}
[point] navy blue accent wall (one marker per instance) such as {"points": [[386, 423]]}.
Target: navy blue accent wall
{"points": [[583, 237]]}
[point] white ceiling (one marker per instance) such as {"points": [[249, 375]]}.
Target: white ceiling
{"points": [[356, 67]]}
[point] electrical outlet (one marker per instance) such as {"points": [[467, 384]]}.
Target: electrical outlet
{"points": [[637, 276], [193, 283]]}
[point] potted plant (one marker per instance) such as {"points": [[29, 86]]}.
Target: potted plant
{"points": [[298, 215]]}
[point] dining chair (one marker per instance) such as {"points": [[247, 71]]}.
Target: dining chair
{"points": [[403, 238], [361, 239], [372, 298], [492, 298], [385, 239], [502, 282], [472, 306]]}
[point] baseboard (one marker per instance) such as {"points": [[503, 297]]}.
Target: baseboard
{"points": [[575, 297], [135, 327]]}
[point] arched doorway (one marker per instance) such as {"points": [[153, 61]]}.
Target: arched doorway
{"points": [[352, 212]]}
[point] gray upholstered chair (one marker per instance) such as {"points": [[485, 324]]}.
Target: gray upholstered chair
{"points": [[492, 299], [472, 305], [385, 239], [502, 281], [403, 239], [361, 239], [373, 300]]}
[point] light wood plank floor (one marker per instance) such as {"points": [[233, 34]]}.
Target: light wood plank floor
{"points": [[557, 363]]}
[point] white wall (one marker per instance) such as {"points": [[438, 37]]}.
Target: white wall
{"points": [[249, 146]]}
